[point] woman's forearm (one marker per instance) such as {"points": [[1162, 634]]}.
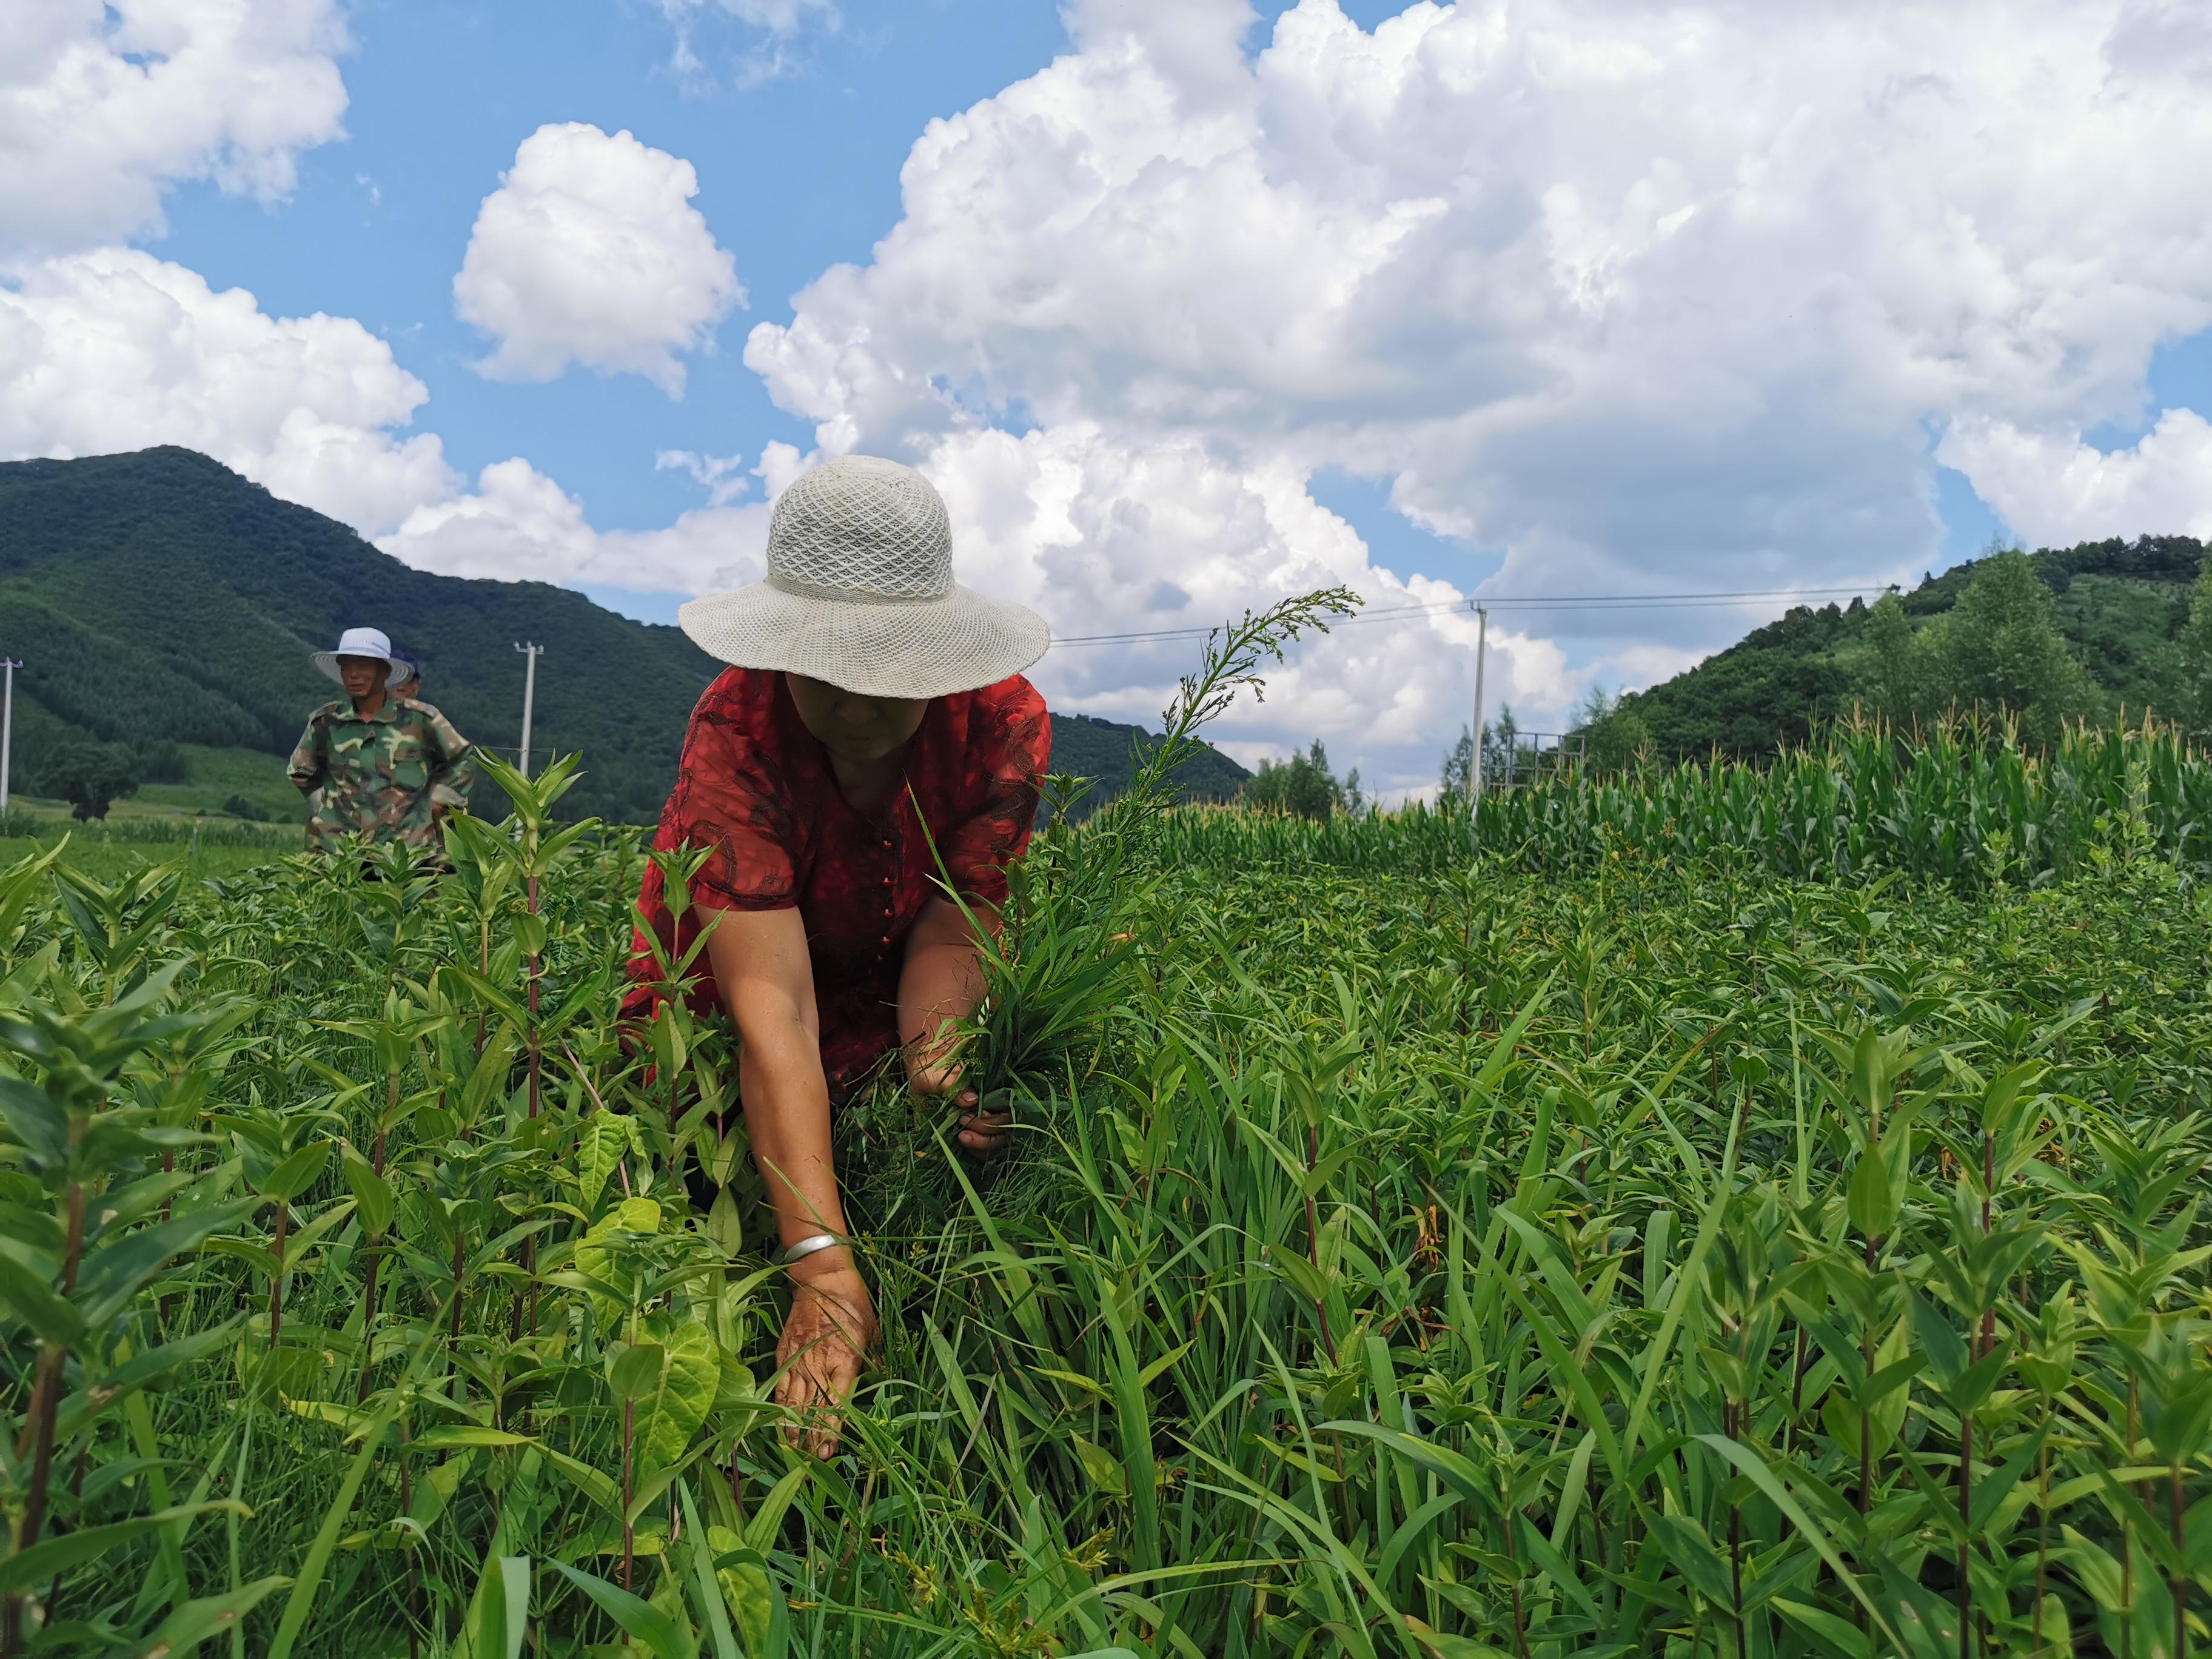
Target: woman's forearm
{"points": [[942, 981], [787, 1107], [761, 968]]}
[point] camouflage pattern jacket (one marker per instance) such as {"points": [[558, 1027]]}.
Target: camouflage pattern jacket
{"points": [[394, 775]]}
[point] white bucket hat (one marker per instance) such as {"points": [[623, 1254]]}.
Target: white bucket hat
{"points": [[360, 643], [859, 593]]}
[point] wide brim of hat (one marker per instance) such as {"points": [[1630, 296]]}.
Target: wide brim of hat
{"points": [[328, 662], [906, 648]]}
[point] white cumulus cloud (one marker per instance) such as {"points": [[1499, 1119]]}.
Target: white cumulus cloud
{"points": [[1640, 298], [107, 349], [591, 253], [115, 350], [1104, 536], [103, 105], [518, 524], [2053, 489]]}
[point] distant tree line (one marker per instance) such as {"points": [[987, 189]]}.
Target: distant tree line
{"points": [[2043, 638], [1605, 732], [1304, 786], [2000, 648]]}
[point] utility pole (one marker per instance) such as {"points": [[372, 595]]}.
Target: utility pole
{"points": [[7, 726], [530, 656], [1474, 762]]}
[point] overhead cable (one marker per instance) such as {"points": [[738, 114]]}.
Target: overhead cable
{"points": [[1561, 602]]}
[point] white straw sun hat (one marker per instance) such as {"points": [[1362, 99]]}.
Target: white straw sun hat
{"points": [[859, 593], [360, 643]]}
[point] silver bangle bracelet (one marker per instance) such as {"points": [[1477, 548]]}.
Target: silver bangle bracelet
{"points": [[806, 1247]]}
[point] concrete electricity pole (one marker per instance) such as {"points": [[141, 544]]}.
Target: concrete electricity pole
{"points": [[1475, 764], [530, 655], [7, 726]]}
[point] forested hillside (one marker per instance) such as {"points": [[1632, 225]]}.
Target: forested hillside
{"points": [[2120, 608], [163, 605], [1084, 747], [159, 597]]}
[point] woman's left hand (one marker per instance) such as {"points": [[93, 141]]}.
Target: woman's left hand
{"points": [[979, 1132]]}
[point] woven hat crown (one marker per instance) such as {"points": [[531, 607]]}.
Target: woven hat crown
{"points": [[857, 527]]}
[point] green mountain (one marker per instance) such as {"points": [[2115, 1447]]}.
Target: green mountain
{"points": [[160, 601], [1085, 748], [2119, 605]]}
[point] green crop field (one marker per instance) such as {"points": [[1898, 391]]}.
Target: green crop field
{"points": [[1742, 1214]]}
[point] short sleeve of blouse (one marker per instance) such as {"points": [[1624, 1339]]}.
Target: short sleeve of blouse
{"points": [[1012, 739], [728, 798]]}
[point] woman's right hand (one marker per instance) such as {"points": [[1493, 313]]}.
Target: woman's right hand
{"points": [[826, 1338]]}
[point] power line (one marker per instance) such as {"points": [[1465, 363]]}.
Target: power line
{"points": [[1563, 602]]}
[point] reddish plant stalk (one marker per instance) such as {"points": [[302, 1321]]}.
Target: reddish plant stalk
{"points": [[39, 1421]]}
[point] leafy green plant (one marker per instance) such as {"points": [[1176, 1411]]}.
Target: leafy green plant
{"points": [[1746, 1213]]}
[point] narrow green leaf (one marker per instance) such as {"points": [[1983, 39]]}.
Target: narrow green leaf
{"points": [[195, 1622], [640, 1619], [26, 1568]]}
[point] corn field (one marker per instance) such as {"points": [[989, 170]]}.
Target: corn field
{"points": [[1965, 805], [1770, 1241]]}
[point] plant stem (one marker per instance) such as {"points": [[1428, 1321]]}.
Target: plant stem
{"points": [[1965, 1513], [2043, 1533], [2177, 1583], [1313, 1244], [376, 1254], [1796, 1391], [630, 1429], [453, 1331], [2127, 1541], [407, 1507], [1866, 1412], [276, 1276], [39, 1421], [1735, 1568], [535, 1067]]}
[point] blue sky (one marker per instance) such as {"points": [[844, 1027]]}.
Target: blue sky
{"points": [[796, 172], [1193, 300]]}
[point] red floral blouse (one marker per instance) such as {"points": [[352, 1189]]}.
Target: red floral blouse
{"points": [[755, 786]]}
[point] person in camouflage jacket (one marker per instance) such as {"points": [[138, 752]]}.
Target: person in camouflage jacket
{"points": [[375, 765]]}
